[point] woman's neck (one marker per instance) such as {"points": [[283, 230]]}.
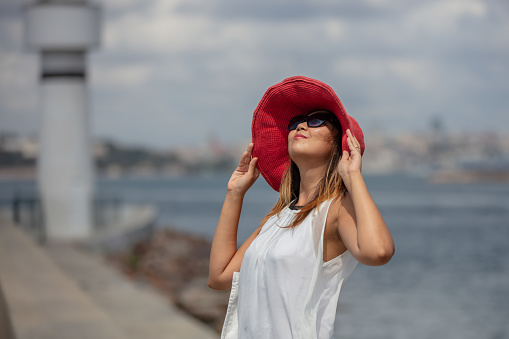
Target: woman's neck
{"points": [[309, 179]]}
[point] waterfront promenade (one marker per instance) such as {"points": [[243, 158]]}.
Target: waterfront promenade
{"points": [[65, 291]]}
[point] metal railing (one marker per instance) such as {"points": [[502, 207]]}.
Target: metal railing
{"points": [[27, 212]]}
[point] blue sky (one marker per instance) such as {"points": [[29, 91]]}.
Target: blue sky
{"points": [[173, 72]]}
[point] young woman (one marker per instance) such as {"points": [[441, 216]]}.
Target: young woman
{"points": [[287, 276]]}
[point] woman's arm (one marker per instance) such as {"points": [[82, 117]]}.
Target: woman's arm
{"points": [[224, 256], [362, 228], [360, 224]]}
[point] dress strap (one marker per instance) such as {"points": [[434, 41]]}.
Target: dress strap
{"points": [[309, 321]]}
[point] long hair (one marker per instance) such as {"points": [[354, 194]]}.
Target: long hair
{"points": [[330, 186]]}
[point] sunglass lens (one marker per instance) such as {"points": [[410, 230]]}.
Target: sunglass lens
{"points": [[296, 121], [316, 122]]}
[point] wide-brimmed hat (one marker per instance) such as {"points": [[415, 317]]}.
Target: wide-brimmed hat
{"points": [[293, 96]]}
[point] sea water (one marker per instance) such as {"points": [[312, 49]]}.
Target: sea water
{"points": [[449, 277]]}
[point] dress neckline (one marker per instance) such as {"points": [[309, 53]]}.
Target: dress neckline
{"points": [[293, 207]]}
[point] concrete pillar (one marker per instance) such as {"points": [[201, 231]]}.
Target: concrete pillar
{"points": [[62, 31]]}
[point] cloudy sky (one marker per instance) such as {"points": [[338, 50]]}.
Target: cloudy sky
{"points": [[178, 72]]}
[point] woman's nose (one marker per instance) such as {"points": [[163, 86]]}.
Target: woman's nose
{"points": [[303, 125]]}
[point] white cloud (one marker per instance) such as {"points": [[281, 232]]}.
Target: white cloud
{"points": [[18, 82], [444, 16], [156, 34], [164, 60], [420, 74], [11, 33], [335, 30], [121, 77]]}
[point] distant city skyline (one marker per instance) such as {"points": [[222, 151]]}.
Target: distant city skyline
{"points": [[178, 73], [437, 154]]}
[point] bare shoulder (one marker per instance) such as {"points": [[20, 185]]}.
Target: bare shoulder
{"points": [[344, 204], [338, 220], [344, 212]]}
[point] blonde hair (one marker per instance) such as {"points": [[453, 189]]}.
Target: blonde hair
{"points": [[330, 186]]}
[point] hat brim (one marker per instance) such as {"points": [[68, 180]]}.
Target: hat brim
{"points": [[293, 96]]}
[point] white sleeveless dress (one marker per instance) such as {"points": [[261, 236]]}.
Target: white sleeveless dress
{"points": [[284, 289]]}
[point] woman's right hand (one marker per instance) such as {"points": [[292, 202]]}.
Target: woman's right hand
{"points": [[245, 174]]}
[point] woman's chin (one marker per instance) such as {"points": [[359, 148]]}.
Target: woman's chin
{"points": [[307, 155]]}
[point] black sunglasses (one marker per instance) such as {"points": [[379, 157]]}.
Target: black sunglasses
{"points": [[313, 120]]}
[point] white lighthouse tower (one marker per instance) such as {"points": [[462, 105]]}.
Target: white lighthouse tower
{"points": [[62, 31]]}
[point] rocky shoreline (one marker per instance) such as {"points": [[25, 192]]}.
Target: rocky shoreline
{"points": [[176, 264]]}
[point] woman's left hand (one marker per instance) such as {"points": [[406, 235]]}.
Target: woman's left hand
{"points": [[351, 162]]}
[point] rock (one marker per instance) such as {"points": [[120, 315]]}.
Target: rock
{"points": [[202, 302], [177, 264]]}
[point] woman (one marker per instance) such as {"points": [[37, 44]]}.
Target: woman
{"points": [[293, 266]]}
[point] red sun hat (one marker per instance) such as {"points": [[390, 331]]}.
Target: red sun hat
{"points": [[293, 96]]}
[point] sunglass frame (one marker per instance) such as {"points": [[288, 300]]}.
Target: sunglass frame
{"points": [[322, 116]]}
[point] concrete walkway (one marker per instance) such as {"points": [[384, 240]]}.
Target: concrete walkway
{"points": [[63, 291]]}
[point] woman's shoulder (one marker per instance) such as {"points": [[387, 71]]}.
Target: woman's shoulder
{"points": [[341, 205]]}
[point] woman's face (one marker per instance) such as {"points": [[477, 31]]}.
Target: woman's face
{"points": [[312, 143]]}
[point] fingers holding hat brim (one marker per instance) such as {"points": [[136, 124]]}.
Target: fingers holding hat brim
{"points": [[251, 161], [355, 134], [253, 170], [352, 142], [246, 156]]}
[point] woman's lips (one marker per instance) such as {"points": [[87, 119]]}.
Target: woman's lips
{"points": [[300, 136]]}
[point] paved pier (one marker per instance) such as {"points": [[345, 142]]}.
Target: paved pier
{"points": [[64, 291]]}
